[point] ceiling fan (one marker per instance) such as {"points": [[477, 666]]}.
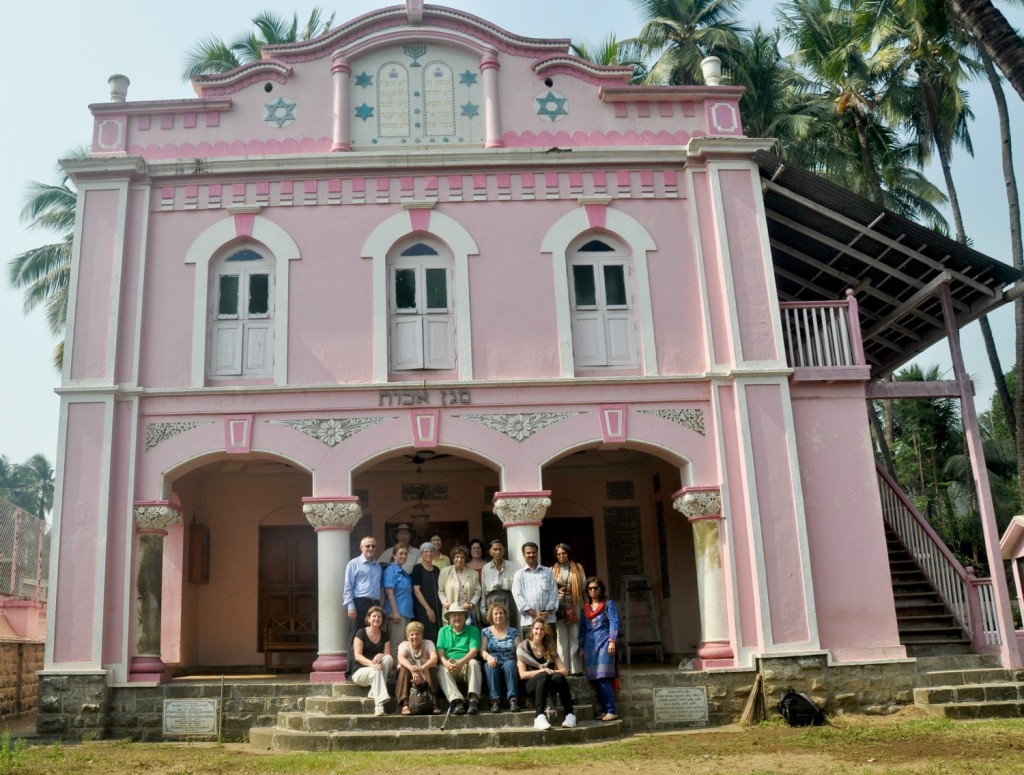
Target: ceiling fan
{"points": [[424, 456]]}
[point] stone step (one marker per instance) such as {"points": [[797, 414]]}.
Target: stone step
{"points": [[977, 710], [316, 722], [970, 676], [929, 664], [991, 692], [909, 607], [433, 737], [334, 706], [931, 634], [938, 648]]}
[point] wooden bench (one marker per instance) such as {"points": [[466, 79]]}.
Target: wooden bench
{"points": [[288, 633]]}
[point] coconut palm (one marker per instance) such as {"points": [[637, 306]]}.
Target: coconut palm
{"points": [[44, 273], [612, 51], [993, 33], [212, 55], [681, 33]]}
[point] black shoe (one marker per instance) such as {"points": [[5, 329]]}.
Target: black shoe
{"points": [[495, 706], [474, 707], [459, 708], [513, 705]]}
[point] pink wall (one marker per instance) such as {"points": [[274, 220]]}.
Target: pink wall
{"points": [[119, 535], [138, 201], [716, 306], [94, 296], [849, 559]]}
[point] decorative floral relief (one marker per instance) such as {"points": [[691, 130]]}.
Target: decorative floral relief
{"points": [[332, 432], [333, 513], [519, 510], [688, 418], [519, 426], [156, 517], [159, 432], [703, 503]]}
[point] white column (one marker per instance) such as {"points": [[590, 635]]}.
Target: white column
{"points": [[492, 111], [333, 520], [521, 514], [152, 521], [702, 506], [341, 70]]}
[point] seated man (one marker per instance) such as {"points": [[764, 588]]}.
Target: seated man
{"points": [[457, 647]]}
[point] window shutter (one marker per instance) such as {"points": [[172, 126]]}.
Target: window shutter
{"points": [[406, 342], [226, 358]]}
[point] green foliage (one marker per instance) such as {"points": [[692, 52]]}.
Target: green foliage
{"points": [[28, 485], [11, 753]]}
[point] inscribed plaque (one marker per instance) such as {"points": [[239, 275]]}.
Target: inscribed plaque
{"points": [[681, 705], [190, 717]]}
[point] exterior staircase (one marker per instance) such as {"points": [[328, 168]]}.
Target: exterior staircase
{"points": [[926, 626], [344, 721], [969, 687]]}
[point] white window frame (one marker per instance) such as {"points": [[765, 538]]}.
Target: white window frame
{"points": [[603, 334], [242, 344], [421, 337]]}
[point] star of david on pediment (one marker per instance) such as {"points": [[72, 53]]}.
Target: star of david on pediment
{"points": [[468, 78], [280, 112], [364, 111], [364, 79], [552, 105]]}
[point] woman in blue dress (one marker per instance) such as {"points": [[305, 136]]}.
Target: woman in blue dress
{"points": [[498, 648], [599, 629]]}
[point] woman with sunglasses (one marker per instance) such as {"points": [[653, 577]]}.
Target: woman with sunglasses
{"points": [[599, 630]]}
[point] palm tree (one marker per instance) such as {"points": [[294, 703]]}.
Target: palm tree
{"points": [[612, 51], [773, 102], [29, 485], [211, 54], [681, 33], [44, 273], [995, 35]]}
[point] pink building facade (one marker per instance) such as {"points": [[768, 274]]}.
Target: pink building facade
{"points": [[423, 269]]}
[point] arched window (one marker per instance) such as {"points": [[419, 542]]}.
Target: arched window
{"points": [[601, 304], [241, 314], [421, 312]]}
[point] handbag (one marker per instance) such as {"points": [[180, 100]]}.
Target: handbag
{"points": [[421, 702]]}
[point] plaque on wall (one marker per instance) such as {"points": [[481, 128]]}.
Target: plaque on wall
{"points": [[424, 492], [624, 544], [681, 705], [620, 491], [191, 718]]}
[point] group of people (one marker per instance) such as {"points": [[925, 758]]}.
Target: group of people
{"points": [[446, 623]]}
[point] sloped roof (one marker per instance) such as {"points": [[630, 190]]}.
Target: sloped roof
{"points": [[825, 239]]}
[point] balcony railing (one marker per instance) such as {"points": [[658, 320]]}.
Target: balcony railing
{"points": [[971, 600], [824, 336]]}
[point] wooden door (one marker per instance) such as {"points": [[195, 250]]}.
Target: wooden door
{"points": [[288, 575]]}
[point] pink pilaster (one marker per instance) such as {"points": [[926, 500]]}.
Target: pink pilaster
{"points": [[341, 70], [492, 116]]}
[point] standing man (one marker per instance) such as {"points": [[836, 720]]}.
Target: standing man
{"points": [[534, 589], [363, 577], [402, 534], [497, 582]]}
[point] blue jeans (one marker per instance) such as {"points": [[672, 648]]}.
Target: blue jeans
{"points": [[509, 670], [605, 694]]}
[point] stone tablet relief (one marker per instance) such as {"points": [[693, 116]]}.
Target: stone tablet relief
{"points": [[681, 705], [393, 109], [190, 717], [438, 100]]}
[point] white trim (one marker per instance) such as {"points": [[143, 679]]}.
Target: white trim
{"points": [[102, 528], [119, 670], [284, 249], [140, 290], [461, 244], [116, 268], [58, 495], [639, 242]]}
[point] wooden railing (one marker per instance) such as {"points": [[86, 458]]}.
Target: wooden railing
{"points": [[822, 334], [969, 599]]}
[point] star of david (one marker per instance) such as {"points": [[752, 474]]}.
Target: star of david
{"points": [[552, 106], [364, 111], [468, 78], [470, 110], [280, 111], [364, 79]]}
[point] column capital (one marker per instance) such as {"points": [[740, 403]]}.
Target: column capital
{"points": [[698, 501], [521, 508], [155, 516], [339, 513]]}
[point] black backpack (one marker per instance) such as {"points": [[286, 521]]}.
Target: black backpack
{"points": [[799, 710]]}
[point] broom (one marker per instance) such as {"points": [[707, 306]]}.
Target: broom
{"points": [[750, 710]]}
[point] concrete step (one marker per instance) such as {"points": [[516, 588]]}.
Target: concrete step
{"points": [[968, 693], [970, 676], [975, 710], [432, 737], [929, 664], [362, 722], [937, 648]]}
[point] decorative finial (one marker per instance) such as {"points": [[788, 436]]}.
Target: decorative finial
{"points": [[712, 69], [118, 87], [414, 9]]}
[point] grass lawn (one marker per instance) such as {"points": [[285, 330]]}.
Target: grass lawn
{"points": [[859, 745]]}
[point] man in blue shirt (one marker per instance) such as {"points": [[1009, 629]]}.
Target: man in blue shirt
{"points": [[363, 576]]}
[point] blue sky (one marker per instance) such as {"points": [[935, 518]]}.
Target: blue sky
{"points": [[64, 50]]}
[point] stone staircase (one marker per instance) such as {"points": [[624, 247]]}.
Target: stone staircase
{"points": [[344, 721], [926, 626], [969, 687]]}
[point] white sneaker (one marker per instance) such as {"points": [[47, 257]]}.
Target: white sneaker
{"points": [[570, 720], [541, 722]]}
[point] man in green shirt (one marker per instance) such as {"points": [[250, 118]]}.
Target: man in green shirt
{"points": [[457, 648]]}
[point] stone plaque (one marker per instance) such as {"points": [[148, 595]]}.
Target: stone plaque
{"points": [[681, 705], [190, 717]]}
